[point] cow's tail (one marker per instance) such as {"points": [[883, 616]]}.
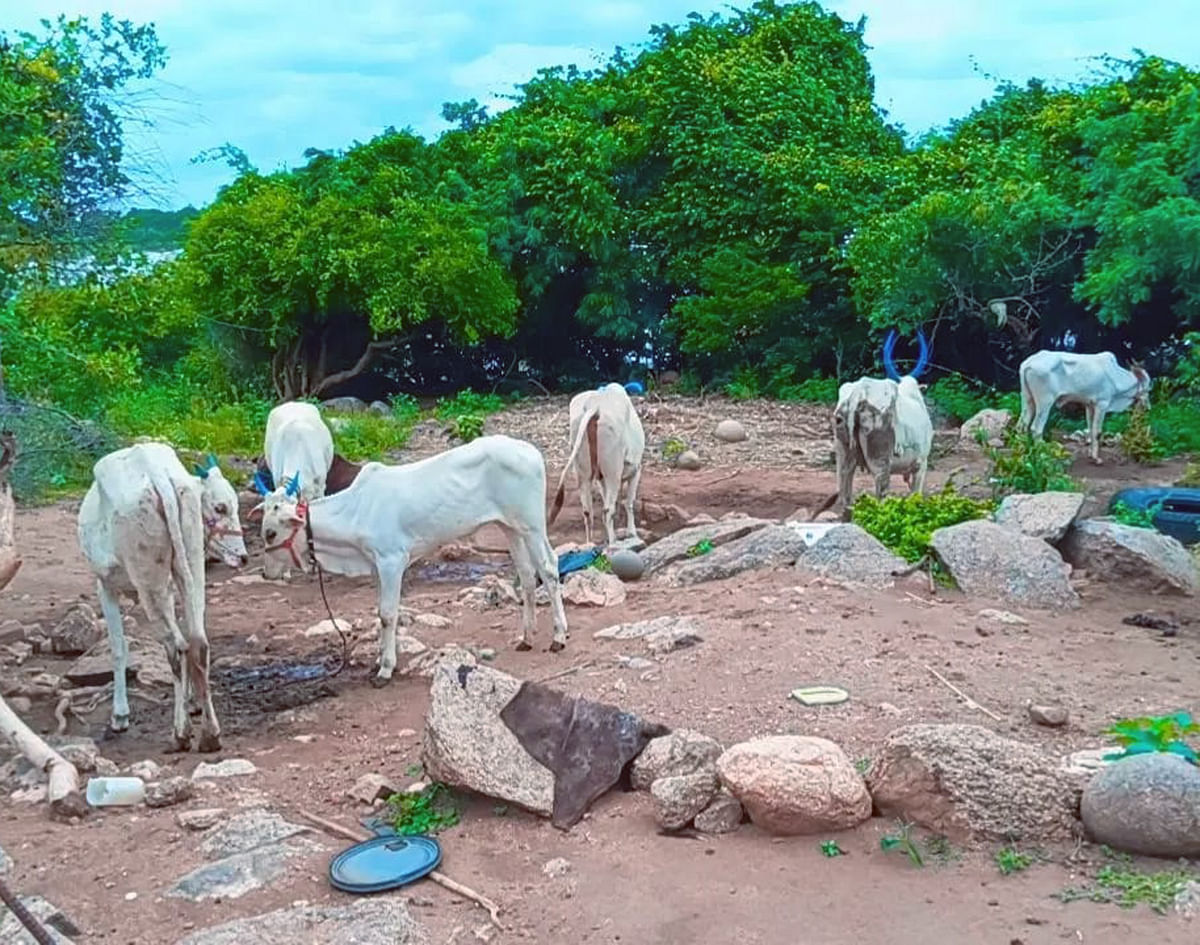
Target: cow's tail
{"points": [[191, 583], [588, 425], [1028, 406]]}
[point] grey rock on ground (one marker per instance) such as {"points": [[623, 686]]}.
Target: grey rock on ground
{"points": [[381, 408], [62, 930], [991, 421], [770, 547], [168, 791], [200, 819], [966, 781], [377, 920], [1148, 804], [147, 664], [466, 743], [6, 862], [592, 588], [242, 873], [1123, 555], [723, 815], [1052, 716], [689, 460], [1046, 515], [1187, 901], [674, 547], [682, 752], [627, 565], [77, 632], [248, 830], [229, 768], [372, 787], [795, 784], [848, 553], [661, 635], [678, 799], [730, 431], [344, 404], [988, 560]]}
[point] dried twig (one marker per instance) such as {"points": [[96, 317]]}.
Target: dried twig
{"points": [[566, 672], [60, 712], [970, 703], [440, 878]]}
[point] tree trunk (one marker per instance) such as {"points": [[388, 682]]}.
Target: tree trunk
{"points": [[300, 369]]}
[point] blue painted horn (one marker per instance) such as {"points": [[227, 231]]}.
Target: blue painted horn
{"points": [[263, 484], [889, 346], [292, 490]]}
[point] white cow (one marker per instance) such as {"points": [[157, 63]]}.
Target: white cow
{"points": [[1097, 381], [298, 441], [393, 514], [882, 426], [606, 418], [142, 527]]}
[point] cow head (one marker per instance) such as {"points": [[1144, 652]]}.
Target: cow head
{"points": [[889, 365], [1141, 395], [219, 506], [285, 539]]}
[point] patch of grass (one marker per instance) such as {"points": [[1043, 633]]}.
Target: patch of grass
{"points": [[745, 384], [1127, 514], [466, 427], [862, 765], [673, 448], [960, 398], [905, 523], [831, 849], [468, 403], [1010, 860], [902, 840], [369, 436], [1128, 887], [431, 811], [813, 390], [1138, 442], [1149, 734], [702, 547], [1028, 465]]}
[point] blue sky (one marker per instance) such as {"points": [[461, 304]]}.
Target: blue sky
{"points": [[277, 77]]}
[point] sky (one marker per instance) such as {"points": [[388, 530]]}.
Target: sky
{"points": [[275, 78]]}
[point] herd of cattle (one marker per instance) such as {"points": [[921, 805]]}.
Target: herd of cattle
{"points": [[149, 526]]}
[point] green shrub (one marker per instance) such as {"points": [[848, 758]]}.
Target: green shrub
{"points": [[1028, 464], [1128, 514], [371, 436], [1137, 441], [744, 385], [1148, 734], [431, 811], [905, 523], [468, 403], [466, 427], [814, 390]]}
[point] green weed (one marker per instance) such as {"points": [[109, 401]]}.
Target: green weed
{"points": [[831, 849], [1138, 442], [905, 523], [702, 547], [1128, 887], [903, 841], [466, 427], [1127, 514], [468, 403], [673, 448], [1149, 734], [1029, 465], [1010, 860], [430, 811]]}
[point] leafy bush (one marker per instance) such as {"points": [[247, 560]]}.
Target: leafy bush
{"points": [[960, 398], [673, 448], [1137, 441], [466, 427], [371, 436], [1190, 476], [1010, 860], [1148, 734], [431, 811], [1028, 464], [905, 523], [468, 403], [1128, 514], [745, 385], [814, 390]]}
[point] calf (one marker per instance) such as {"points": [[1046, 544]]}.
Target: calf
{"points": [[616, 442], [393, 514], [142, 527], [1097, 381]]}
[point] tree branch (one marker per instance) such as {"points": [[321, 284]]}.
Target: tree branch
{"points": [[359, 366]]}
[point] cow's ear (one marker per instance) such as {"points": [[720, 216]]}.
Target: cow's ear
{"points": [[256, 513]]}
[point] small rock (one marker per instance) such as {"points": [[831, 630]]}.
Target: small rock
{"points": [[345, 405], [77, 632], [730, 431], [229, 768], [147, 770], [1052, 716], [661, 634], [130, 896], [200, 819], [417, 787], [682, 752], [678, 799], [592, 588], [627, 565], [1147, 804], [381, 408], [247, 830], [327, 626], [371, 787], [635, 662], [106, 768], [1045, 515], [82, 754], [1187, 901], [556, 867], [168, 791], [247, 579], [992, 422], [689, 460], [723, 815], [1003, 616], [20, 704], [433, 621], [491, 591]]}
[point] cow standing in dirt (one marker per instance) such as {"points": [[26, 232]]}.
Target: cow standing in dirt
{"points": [[607, 420], [147, 525]]}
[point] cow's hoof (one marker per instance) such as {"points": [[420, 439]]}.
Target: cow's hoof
{"points": [[555, 646], [114, 730], [181, 744], [209, 743], [524, 646], [378, 682], [195, 710]]}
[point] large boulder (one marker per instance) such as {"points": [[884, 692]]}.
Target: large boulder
{"points": [[379, 920], [849, 553], [1045, 515], [965, 781], [1147, 804], [681, 753], [795, 784], [345, 405], [675, 547], [1126, 556], [467, 745], [678, 799], [991, 561], [77, 632], [770, 547], [992, 422], [730, 431], [592, 588]]}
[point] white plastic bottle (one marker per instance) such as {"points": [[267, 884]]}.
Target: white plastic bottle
{"points": [[114, 792]]}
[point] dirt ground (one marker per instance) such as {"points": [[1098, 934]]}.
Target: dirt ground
{"points": [[763, 635]]}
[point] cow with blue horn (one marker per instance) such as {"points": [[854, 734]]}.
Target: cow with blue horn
{"points": [[223, 538], [883, 426]]}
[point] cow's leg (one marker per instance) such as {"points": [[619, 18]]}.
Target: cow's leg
{"points": [[196, 678], [630, 498], [541, 553], [119, 647], [1026, 418], [883, 480], [917, 484], [391, 579], [845, 474], [1040, 416], [1097, 423], [159, 605], [585, 502], [523, 562]]}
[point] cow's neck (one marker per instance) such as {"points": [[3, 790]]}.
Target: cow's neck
{"points": [[335, 548]]}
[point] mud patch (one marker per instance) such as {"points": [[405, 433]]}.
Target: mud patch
{"points": [[244, 694], [456, 572]]}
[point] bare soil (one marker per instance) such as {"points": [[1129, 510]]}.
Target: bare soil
{"points": [[764, 635]]}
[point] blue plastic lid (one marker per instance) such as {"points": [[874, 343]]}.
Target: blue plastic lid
{"points": [[386, 862]]}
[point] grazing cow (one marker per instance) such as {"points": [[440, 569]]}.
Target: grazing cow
{"points": [[1053, 378], [882, 426], [394, 514], [606, 418], [298, 441], [223, 540], [142, 527]]}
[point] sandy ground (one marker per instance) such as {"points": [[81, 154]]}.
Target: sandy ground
{"points": [[763, 635]]}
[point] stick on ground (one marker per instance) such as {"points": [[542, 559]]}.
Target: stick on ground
{"points": [[970, 703]]}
